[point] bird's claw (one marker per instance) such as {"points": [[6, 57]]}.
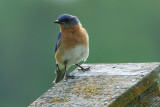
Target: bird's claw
{"points": [[84, 69], [69, 76]]}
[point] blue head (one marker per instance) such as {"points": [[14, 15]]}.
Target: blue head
{"points": [[67, 20]]}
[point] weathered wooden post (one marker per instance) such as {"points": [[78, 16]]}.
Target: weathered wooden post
{"points": [[112, 85]]}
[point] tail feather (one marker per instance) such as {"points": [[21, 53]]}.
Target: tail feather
{"points": [[60, 75]]}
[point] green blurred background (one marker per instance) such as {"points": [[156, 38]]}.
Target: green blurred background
{"points": [[120, 31]]}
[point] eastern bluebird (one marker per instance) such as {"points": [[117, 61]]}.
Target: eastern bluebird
{"points": [[72, 45]]}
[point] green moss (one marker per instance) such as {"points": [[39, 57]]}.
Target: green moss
{"points": [[136, 90]]}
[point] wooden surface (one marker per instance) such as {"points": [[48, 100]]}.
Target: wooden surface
{"points": [[113, 85]]}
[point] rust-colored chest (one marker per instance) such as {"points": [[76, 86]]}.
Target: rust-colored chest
{"points": [[73, 36]]}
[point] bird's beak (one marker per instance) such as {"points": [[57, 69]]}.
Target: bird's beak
{"points": [[57, 21]]}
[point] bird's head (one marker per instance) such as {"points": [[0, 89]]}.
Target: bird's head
{"points": [[67, 20]]}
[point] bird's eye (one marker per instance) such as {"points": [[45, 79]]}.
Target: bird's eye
{"points": [[62, 21], [67, 20]]}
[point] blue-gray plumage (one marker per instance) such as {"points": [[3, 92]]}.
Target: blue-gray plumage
{"points": [[57, 41], [72, 45], [68, 20]]}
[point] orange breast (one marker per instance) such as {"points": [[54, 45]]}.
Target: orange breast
{"points": [[71, 37]]}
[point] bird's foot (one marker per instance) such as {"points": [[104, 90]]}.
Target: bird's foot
{"points": [[69, 76], [84, 69]]}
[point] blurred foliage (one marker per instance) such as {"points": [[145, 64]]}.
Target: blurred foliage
{"points": [[120, 31]]}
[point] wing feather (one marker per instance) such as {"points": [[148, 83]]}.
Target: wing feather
{"points": [[57, 41]]}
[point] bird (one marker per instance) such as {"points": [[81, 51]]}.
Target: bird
{"points": [[71, 47]]}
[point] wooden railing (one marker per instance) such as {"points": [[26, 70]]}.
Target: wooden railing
{"points": [[112, 85]]}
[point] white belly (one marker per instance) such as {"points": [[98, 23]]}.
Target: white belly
{"points": [[76, 54]]}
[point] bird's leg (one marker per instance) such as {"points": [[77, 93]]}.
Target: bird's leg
{"points": [[67, 76], [83, 69]]}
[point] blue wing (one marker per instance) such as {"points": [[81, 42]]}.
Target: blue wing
{"points": [[57, 41]]}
